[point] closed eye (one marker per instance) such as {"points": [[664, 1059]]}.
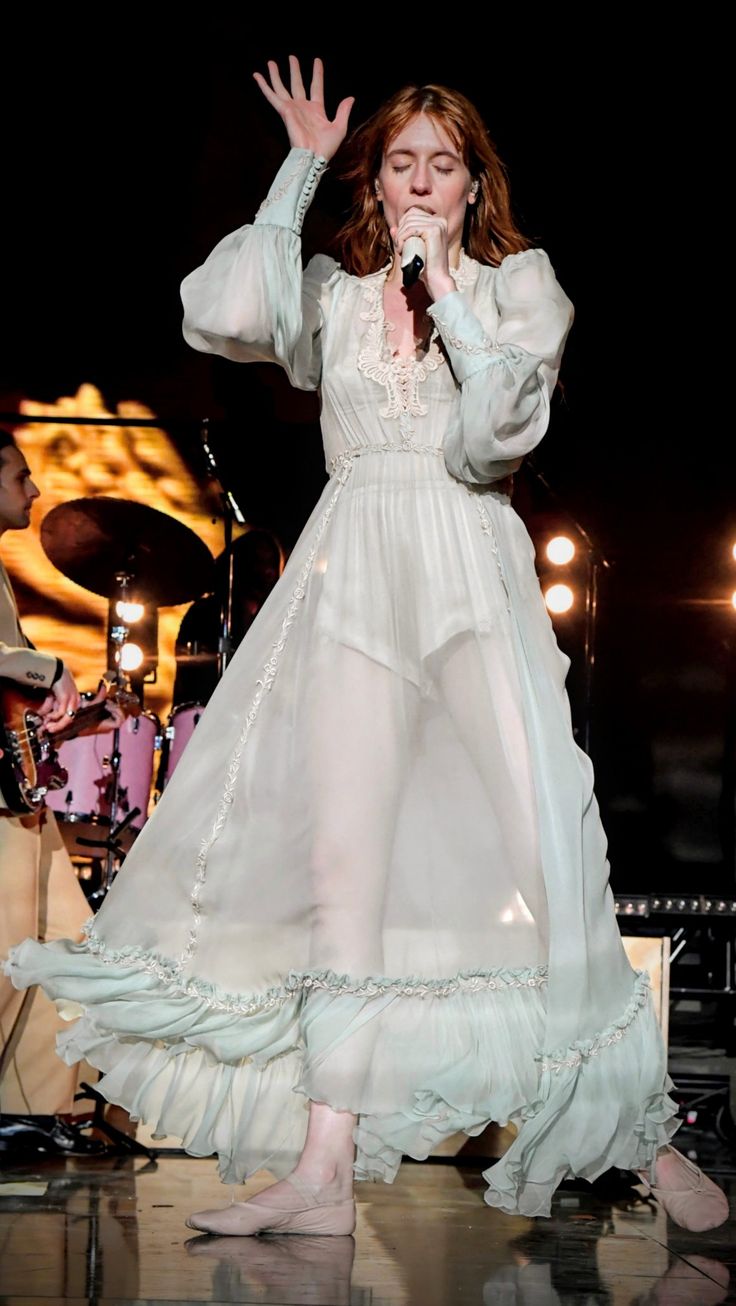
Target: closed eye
{"points": [[404, 167]]}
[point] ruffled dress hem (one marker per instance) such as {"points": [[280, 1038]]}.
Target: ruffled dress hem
{"points": [[229, 1074]]}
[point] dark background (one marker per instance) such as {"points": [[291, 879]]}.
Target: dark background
{"points": [[128, 152]]}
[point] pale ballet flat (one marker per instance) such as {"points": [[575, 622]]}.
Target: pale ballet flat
{"points": [[698, 1205], [246, 1219]]}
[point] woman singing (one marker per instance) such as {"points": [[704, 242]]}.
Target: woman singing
{"points": [[372, 908]]}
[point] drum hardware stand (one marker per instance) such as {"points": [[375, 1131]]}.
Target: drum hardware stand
{"points": [[121, 1141], [231, 512], [115, 853]]}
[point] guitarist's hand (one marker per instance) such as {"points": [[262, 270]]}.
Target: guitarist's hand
{"points": [[113, 721], [114, 715], [61, 704]]}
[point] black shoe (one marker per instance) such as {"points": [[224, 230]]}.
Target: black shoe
{"points": [[45, 1135]]}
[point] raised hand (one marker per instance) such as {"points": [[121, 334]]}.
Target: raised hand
{"points": [[305, 119]]}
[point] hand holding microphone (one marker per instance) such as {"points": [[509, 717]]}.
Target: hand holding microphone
{"points": [[424, 251], [413, 259]]}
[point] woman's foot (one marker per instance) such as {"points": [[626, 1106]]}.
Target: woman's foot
{"points": [[688, 1196], [291, 1206]]}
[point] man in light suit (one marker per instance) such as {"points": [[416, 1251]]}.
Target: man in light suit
{"points": [[40, 894]]}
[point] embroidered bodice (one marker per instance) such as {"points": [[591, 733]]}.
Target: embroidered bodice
{"points": [[401, 377]]}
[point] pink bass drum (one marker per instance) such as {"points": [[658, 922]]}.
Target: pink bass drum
{"points": [[179, 731], [82, 806]]}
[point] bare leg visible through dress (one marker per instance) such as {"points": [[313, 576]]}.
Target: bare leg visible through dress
{"points": [[480, 688], [365, 716]]}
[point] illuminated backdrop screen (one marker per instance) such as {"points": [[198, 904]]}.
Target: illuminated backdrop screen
{"points": [[139, 463]]}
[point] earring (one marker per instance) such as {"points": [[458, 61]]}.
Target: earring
{"points": [[475, 186]]}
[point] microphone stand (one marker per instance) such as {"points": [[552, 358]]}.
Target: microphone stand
{"points": [[231, 512], [596, 561], [114, 850]]}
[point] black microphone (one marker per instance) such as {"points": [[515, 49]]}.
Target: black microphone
{"points": [[413, 258]]}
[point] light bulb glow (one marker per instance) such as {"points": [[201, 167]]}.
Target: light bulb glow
{"points": [[561, 550], [733, 598], [131, 657], [129, 612], [559, 598], [733, 551]]}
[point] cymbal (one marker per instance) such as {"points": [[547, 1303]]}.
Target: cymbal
{"points": [[92, 540]]}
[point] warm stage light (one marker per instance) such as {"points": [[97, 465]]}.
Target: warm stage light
{"points": [[129, 612], [559, 598], [733, 598], [733, 550], [561, 550], [131, 657]]}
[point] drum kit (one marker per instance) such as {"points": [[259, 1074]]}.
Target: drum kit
{"points": [[126, 552]]}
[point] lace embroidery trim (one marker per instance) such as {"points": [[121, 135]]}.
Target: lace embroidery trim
{"points": [[263, 687], [317, 167], [298, 983], [400, 377], [488, 529], [466, 273], [408, 446], [278, 194], [577, 1053], [486, 345]]}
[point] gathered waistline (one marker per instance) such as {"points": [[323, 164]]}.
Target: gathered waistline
{"points": [[347, 456]]}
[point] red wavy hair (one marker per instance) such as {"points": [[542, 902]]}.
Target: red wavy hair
{"points": [[490, 230]]}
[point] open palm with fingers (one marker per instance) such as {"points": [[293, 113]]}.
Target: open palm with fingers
{"points": [[304, 116]]}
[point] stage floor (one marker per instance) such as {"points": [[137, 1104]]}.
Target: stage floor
{"points": [[112, 1231]]}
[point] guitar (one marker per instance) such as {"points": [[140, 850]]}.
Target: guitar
{"points": [[29, 763]]}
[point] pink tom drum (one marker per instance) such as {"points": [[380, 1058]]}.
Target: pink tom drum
{"points": [[179, 731], [83, 805]]}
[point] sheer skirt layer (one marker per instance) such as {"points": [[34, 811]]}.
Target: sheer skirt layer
{"points": [[379, 879]]}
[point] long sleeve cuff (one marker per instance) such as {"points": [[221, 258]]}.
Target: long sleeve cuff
{"points": [[292, 191], [468, 347], [25, 665]]}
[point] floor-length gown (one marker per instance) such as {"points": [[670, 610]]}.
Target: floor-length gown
{"points": [[378, 879]]}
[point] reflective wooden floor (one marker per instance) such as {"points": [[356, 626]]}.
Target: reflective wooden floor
{"points": [[111, 1231]]}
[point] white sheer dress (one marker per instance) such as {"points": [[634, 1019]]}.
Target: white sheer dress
{"points": [[378, 879]]}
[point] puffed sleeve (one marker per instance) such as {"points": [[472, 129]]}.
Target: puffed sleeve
{"points": [[250, 301], [506, 377]]}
